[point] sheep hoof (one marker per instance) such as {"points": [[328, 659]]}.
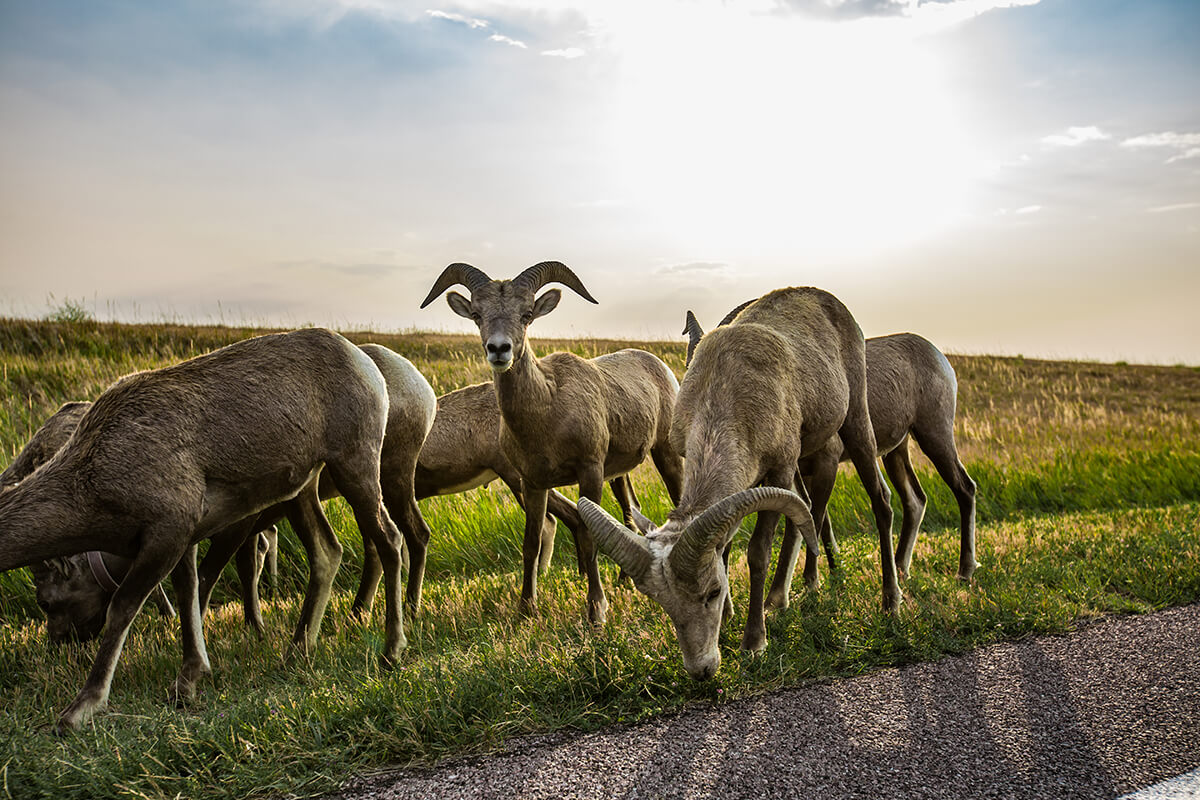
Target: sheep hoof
{"points": [[598, 612], [527, 607], [755, 642], [778, 600], [181, 693], [891, 602]]}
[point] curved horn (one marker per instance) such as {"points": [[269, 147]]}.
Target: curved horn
{"points": [[465, 274], [729, 317], [619, 543], [539, 275], [714, 528], [693, 331]]}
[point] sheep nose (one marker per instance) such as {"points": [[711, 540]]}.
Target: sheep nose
{"points": [[499, 348]]}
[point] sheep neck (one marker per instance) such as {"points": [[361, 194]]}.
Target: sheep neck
{"points": [[716, 467], [36, 525], [524, 392]]}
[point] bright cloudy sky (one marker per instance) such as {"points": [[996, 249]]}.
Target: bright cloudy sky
{"points": [[998, 175]]}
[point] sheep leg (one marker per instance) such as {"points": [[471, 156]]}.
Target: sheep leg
{"points": [[727, 608], [758, 557], [912, 501], [368, 581], [562, 508], [591, 486], [670, 467], [939, 446], [222, 547], [271, 533], [622, 490], [248, 567], [859, 440], [358, 481], [195, 657], [157, 557], [816, 492], [535, 512], [785, 567], [557, 506], [402, 507], [324, 555]]}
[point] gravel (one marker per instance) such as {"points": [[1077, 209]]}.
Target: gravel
{"points": [[1108, 709]]}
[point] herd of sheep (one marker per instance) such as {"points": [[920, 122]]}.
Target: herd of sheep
{"points": [[224, 445]]}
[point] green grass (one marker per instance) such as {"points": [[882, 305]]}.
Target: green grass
{"points": [[1089, 504]]}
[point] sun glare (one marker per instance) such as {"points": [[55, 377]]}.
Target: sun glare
{"points": [[831, 138]]}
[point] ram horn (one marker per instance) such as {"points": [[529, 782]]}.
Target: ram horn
{"points": [[622, 545], [730, 316], [539, 275], [693, 331], [713, 529], [459, 273]]}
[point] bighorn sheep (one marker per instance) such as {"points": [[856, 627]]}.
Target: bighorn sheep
{"points": [[167, 457], [565, 419], [911, 391], [73, 592], [461, 452], [780, 383]]}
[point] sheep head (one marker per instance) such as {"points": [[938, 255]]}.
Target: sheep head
{"points": [[504, 309], [680, 567], [75, 605]]}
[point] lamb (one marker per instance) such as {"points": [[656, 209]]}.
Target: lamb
{"points": [[911, 391], [780, 383], [565, 419], [167, 457]]}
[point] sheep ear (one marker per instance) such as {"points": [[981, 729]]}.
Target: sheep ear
{"points": [[546, 303], [460, 305], [643, 523]]}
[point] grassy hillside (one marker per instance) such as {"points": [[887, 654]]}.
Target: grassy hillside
{"points": [[1089, 503]]}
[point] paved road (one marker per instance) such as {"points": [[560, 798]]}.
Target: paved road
{"points": [[1098, 713]]}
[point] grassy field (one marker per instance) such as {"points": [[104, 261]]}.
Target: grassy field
{"points": [[1089, 504]]}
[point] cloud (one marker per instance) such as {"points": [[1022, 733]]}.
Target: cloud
{"points": [[357, 270], [470, 22], [1172, 207], [847, 9], [1028, 210], [1187, 144], [938, 12], [496, 37], [1076, 136], [695, 268], [567, 52]]}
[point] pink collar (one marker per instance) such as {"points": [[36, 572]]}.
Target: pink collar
{"points": [[100, 571]]}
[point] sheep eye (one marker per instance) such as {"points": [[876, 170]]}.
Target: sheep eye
{"points": [[475, 316], [526, 319], [712, 596]]}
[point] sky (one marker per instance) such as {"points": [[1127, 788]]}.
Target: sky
{"points": [[1001, 176]]}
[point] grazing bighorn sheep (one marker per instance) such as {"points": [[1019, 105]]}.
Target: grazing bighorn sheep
{"points": [[411, 408], [781, 382], [911, 391], [461, 452], [167, 457], [73, 592], [565, 419]]}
